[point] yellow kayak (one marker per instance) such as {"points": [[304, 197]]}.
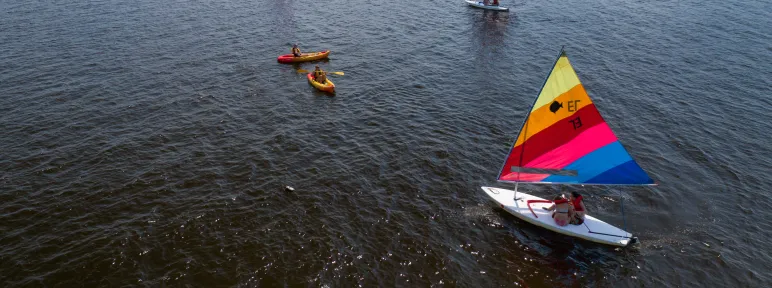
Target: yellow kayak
{"points": [[289, 58], [328, 86]]}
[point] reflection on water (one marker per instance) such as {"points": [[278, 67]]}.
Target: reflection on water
{"points": [[488, 34], [492, 28], [282, 22], [489, 28]]}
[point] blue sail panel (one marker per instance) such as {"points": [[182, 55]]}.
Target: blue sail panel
{"points": [[611, 164]]}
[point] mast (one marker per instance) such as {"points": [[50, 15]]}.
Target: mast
{"points": [[525, 125]]}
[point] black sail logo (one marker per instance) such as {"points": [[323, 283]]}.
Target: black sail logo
{"points": [[555, 106]]}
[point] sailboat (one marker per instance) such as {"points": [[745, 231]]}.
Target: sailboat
{"points": [[564, 140]]}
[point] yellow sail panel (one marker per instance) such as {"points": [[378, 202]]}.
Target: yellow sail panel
{"points": [[561, 79], [562, 107]]}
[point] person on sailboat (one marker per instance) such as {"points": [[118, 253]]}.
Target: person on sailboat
{"points": [[495, 3], [579, 209], [296, 51], [319, 75], [562, 208]]}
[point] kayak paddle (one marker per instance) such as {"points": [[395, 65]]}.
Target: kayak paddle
{"points": [[332, 72]]}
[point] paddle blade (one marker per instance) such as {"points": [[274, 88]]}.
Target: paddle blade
{"points": [[302, 71], [337, 73]]}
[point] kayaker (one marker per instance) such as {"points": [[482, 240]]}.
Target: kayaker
{"points": [[579, 209], [562, 209], [319, 75], [296, 50]]}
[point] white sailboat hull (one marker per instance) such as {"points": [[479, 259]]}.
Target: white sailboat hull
{"points": [[593, 229], [479, 4]]}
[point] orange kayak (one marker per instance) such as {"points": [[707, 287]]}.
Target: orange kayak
{"points": [[328, 86], [289, 58]]}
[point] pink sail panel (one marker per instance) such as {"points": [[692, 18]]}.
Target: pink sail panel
{"points": [[524, 177], [590, 140]]}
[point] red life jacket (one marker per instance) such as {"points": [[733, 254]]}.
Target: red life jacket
{"points": [[560, 201], [577, 201]]}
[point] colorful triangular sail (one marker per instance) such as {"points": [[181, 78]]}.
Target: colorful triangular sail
{"points": [[564, 139]]}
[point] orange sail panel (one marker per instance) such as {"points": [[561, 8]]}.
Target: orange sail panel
{"points": [[564, 132]]}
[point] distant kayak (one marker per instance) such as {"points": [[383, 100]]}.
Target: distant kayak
{"points": [[480, 5], [328, 86], [289, 58]]}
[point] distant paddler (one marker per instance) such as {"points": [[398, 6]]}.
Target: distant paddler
{"points": [[296, 56], [296, 51], [319, 75]]}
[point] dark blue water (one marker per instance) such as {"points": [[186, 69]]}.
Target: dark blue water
{"points": [[147, 143]]}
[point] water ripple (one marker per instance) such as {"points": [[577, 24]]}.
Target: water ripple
{"points": [[149, 143]]}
